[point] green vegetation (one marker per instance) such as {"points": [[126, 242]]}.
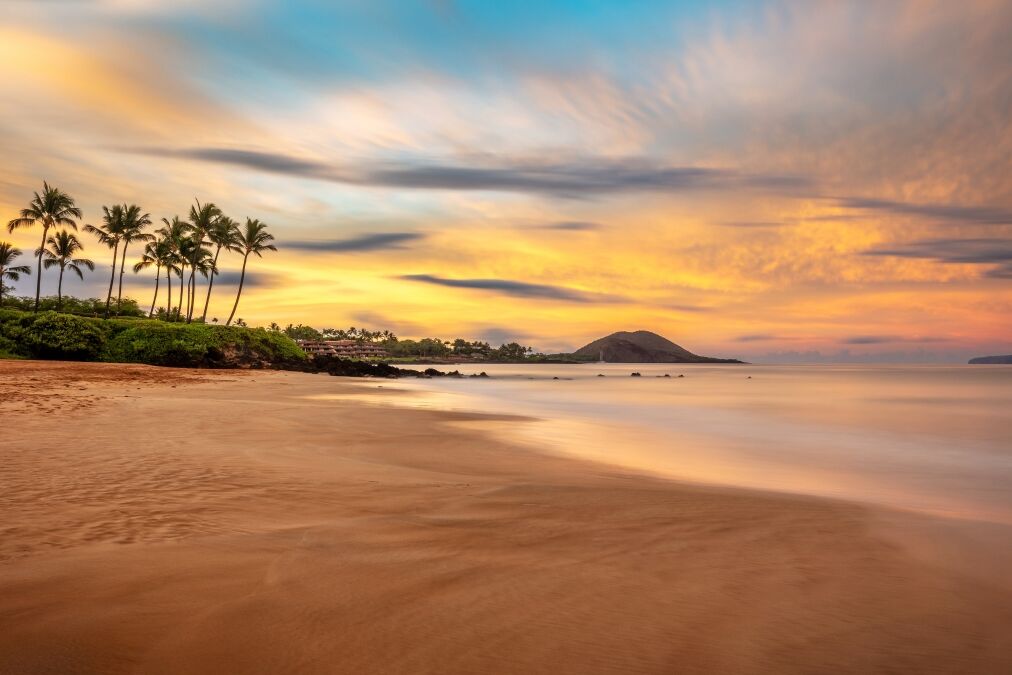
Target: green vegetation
{"points": [[425, 348], [8, 270], [52, 335], [93, 307]]}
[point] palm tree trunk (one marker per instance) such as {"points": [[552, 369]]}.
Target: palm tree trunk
{"points": [[38, 277], [193, 280], [119, 293], [189, 296], [59, 291], [168, 284], [242, 278], [210, 284], [179, 310], [158, 278], [112, 279]]}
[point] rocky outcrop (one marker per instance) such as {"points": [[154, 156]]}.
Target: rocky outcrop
{"points": [[345, 367]]}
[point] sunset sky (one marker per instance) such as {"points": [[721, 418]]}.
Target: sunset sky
{"points": [[773, 181]]}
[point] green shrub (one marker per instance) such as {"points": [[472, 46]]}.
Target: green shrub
{"points": [[196, 345], [63, 336], [50, 335], [70, 305]]}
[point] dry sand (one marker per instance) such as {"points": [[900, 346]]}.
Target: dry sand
{"points": [[170, 521]]}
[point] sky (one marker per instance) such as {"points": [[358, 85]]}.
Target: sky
{"points": [[774, 181]]}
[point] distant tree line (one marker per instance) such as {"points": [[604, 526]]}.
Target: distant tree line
{"points": [[425, 347]]}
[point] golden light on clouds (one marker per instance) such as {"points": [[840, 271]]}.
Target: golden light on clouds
{"points": [[803, 178]]}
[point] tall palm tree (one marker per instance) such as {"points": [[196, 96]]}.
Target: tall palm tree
{"points": [[51, 208], [110, 235], [8, 270], [224, 234], [59, 252], [253, 238], [134, 223], [202, 219], [159, 254], [174, 232]]}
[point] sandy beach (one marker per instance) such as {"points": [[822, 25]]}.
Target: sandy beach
{"points": [[176, 521]]}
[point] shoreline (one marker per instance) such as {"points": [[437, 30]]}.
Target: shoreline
{"points": [[202, 521]]}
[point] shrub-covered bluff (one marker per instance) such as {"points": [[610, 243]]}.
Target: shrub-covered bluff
{"points": [[50, 335]]}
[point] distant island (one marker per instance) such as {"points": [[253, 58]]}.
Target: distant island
{"points": [[980, 360], [641, 346]]}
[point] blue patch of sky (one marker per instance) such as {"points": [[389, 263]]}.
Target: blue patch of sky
{"points": [[279, 47]]}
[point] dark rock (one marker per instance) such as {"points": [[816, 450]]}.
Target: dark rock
{"points": [[634, 375], [339, 367]]}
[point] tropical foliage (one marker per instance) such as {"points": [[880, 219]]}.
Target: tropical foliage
{"points": [[424, 348], [50, 208], [184, 250], [52, 335], [8, 270], [90, 307], [255, 239], [61, 249]]}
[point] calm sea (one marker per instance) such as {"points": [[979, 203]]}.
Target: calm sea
{"points": [[935, 439]]}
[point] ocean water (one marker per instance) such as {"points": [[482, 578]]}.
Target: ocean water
{"points": [[933, 439]]}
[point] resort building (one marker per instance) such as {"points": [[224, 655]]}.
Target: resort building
{"points": [[345, 348]]}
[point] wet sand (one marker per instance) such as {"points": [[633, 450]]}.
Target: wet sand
{"points": [[173, 521]]}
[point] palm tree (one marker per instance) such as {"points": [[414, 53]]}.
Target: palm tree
{"points": [[134, 223], [224, 234], [109, 235], [174, 233], [202, 219], [59, 252], [253, 238], [51, 208], [159, 254], [8, 270]]}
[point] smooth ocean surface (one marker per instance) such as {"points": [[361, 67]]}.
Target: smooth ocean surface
{"points": [[934, 439]]}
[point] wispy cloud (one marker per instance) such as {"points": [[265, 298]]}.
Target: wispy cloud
{"points": [[758, 337], [886, 339], [973, 251], [688, 308], [581, 178], [358, 244], [750, 224], [516, 288], [570, 226], [971, 215], [253, 279]]}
